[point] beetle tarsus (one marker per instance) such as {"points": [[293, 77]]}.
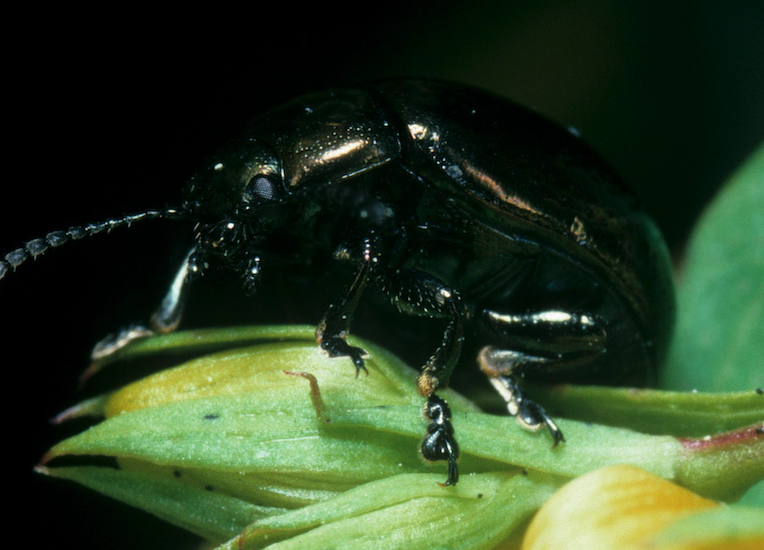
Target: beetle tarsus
{"points": [[164, 320], [109, 345], [439, 443], [453, 469], [529, 414], [118, 340], [533, 417], [338, 347], [251, 275]]}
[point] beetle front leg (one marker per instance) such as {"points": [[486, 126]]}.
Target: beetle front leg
{"points": [[164, 320], [333, 330], [251, 276]]}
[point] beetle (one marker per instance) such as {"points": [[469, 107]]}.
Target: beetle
{"points": [[454, 204]]}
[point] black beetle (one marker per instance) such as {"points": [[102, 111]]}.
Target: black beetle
{"points": [[456, 205]]}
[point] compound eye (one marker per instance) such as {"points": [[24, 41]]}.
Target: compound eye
{"points": [[262, 188]]}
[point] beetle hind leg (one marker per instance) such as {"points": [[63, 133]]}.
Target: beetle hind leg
{"points": [[537, 343], [498, 365]]}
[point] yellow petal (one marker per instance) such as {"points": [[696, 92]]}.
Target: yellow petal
{"points": [[617, 507]]}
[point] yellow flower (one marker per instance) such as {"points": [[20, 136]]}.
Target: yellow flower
{"points": [[623, 507]]}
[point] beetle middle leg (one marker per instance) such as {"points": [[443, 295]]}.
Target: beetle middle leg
{"points": [[534, 343], [416, 293]]}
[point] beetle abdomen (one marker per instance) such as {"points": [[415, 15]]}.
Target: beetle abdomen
{"points": [[521, 174]]}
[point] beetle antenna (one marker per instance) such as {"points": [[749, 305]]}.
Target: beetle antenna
{"points": [[37, 247]]}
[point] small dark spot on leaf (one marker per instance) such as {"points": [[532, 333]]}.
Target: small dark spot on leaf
{"points": [[211, 416], [524, 472], [760, 391], [760, 431], [208, 488], [176, 473], [480, 495]]}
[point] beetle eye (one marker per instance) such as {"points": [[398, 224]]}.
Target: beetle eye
{"points": [[262, 189]]}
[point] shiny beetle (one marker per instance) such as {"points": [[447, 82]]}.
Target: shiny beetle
{"points": [[453, 204]]}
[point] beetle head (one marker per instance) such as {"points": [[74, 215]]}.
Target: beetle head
{"points": [[236, 197], [235, 183]]}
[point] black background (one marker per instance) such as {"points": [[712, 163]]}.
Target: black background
{"points": [[108, 112]]}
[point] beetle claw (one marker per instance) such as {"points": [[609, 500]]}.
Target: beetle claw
{"points": [[533, 417], [357, 357], [529, 414], [338, 347]]}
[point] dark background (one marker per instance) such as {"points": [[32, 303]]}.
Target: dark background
{"points": [[109, 113]]}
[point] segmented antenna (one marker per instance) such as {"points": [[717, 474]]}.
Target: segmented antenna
{"points": [[36, 247]]}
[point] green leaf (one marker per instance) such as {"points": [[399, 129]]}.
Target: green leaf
{"points": [[200, 341], [723, 466], [681, 414], [235, 428], [719, 340], [324, 459], [409, 511], [209, 514], [718, 528], [754, 496], [237, 411]]}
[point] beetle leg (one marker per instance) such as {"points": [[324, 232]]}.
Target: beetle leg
{"points": [[537, 343], [419, 294], [251, 274], [164, 320], [498, 365], [333, 330], [562, 339], [416, 293]]}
